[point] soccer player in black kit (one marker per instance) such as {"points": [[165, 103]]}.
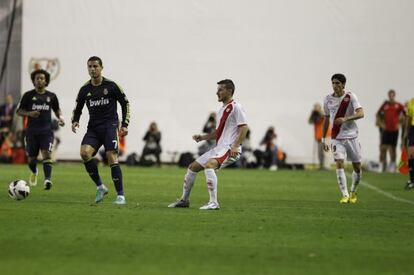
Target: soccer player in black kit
{"points": [[101, 96], [37, 105]]}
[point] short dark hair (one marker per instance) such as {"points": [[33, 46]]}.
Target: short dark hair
{"points": [[228, 83], [40, 71], [340, 77], [96, 58]]}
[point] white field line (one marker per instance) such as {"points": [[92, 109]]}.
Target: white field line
{"points": [[382, 192]]}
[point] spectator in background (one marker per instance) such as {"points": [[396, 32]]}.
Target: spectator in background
{"points": [[6, 117], [6, 149], [270, 148], [389, 117], [209, 127], [152, 145], [317, 118]]}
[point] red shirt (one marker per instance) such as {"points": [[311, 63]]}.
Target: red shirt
{"points": [[391, 114]]}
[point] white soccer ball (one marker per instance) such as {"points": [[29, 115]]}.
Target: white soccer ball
{"points": [[19, 190]]}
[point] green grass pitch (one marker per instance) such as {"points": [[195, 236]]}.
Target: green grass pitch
{"points": [[285, 222]]}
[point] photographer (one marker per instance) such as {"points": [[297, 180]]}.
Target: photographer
{"points": [[152, 143]]}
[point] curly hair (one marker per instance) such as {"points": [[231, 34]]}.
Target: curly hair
{"points": [[40, 71]]}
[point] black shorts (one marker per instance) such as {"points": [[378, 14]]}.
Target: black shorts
{"points": [[108, 137], [410, 136], [38, 141], [389, 138]]}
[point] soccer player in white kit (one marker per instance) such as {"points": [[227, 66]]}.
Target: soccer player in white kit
{"points": [[343, 108], [229, 135]]}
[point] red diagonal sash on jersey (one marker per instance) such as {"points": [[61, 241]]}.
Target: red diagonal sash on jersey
{"points": [[223, 120], [340, 113]]}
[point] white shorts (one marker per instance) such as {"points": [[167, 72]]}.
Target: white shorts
{"points": [[346, 149], [222, 155]]}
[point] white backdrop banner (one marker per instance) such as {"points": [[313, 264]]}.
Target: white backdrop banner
{"points": [[169, 54]]}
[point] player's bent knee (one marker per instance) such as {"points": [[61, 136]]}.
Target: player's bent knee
{"points": [[85, 155], [46, 155], [340, 164], [195, 167], [211, 164], [356, 166]]}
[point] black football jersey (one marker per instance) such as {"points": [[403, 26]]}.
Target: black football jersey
{"points": [[44, 103], [101, 102]]}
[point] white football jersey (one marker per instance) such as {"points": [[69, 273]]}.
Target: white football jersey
{"points": [[229, 117], [331, 105]]}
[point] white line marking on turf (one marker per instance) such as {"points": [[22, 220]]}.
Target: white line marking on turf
{"points": [[389, 195]]}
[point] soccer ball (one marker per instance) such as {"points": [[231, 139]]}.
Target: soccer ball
{"points": [[19, 190]]}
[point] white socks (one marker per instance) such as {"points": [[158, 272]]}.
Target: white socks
{"points": [[211, 179], [340, 173], [189, 180], [356, 178]]}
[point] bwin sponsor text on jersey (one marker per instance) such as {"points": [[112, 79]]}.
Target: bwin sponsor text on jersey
{"points": [[100, 102], [40, 107]]}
